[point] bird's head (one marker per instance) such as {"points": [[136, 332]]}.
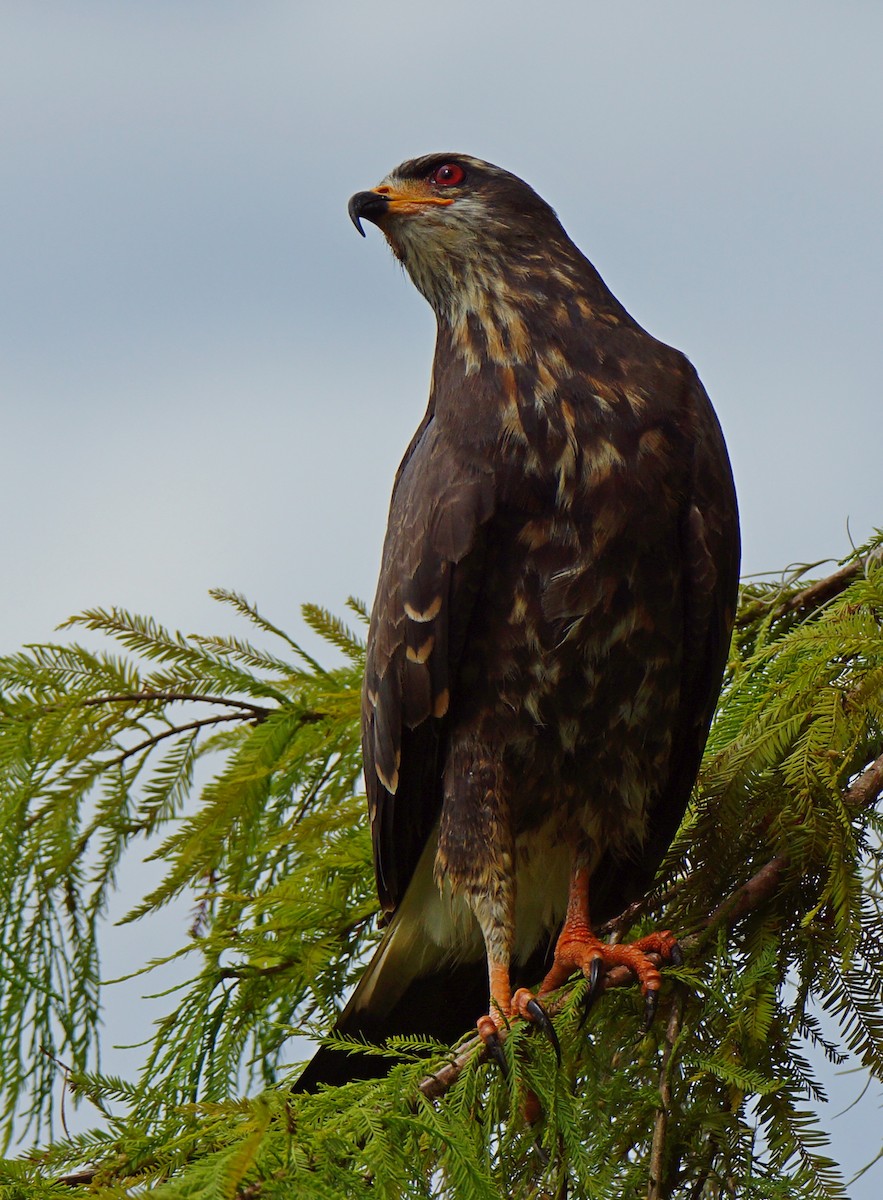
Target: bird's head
{"points": [[459, 225]]}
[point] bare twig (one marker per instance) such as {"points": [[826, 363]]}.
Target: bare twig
{"points": [[80, 1178], [638, 908], [813, 596], [258, 710], [244, 712], [751, 894], [155, 739], [864, 791], [658, 1187]]}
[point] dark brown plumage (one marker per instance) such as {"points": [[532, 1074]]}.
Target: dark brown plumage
{"points": [[552, 617]]}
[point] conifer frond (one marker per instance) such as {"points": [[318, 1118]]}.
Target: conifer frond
{"points": [[248, 610], [234, 763]]}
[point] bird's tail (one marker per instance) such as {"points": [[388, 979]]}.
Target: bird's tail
{"points": [[405, 990], [414, 986]]}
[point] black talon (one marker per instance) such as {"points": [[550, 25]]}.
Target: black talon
{"points": [[495, 1052], [541, 1017], [676, 956], [651, 1000], [596, 972]]}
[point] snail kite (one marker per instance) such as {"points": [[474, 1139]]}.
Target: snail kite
{"points": [[551, 623]]}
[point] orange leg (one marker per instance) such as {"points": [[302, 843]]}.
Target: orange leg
{"points": [[503, 1008], [501, 1000], [506, 1007], [578, 949]]}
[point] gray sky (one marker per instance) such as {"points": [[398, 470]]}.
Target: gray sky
{"points": [[208, 379]]}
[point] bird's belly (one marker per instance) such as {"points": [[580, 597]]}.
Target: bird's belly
{"points": [[443, 925], [542, 872], [574, 682]]}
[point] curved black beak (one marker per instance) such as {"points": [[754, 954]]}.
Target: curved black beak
{"points": [[369, 205]]}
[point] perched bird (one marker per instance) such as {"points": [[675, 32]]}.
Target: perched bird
{"points": [[551, 623]]}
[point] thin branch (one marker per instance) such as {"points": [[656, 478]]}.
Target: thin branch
{"points": [[149, 743], [813, 596], [80, 1178], [620, 924], [259, 711], [863, 792], [256, 713], [658, 1188], [751, 894], [865, 789]]}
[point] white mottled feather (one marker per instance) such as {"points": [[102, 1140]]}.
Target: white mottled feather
{"points": [[432, 927]]}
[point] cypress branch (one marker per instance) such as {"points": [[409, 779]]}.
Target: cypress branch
{"points": [[774, 886]]}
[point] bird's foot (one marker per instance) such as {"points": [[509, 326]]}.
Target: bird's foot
{"points": [[527, 1006], [523, 1006], [578, 949], [489, 1031]]}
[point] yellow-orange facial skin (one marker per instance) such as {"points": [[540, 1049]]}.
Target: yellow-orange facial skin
{"points": [[418, 226], [452, 220], [412, 198]]}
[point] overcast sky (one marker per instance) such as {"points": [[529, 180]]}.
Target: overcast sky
{"points": [[208, 379]]}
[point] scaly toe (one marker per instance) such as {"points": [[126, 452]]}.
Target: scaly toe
{"points": [[487, 1031], [526, 1005], [662, 942]]}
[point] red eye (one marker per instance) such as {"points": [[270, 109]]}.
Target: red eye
{"points": [[447, 176]]}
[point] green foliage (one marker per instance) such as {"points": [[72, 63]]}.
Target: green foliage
{"points": [[98, 753], [237, 764]]}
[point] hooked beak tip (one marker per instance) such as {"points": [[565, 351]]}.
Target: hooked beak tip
{"points": [[368, 205]]}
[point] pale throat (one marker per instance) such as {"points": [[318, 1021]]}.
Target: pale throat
{"points": [[482, 312], [486, 297]]}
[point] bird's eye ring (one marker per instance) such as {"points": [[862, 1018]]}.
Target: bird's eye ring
{"points": [[447, 176]]}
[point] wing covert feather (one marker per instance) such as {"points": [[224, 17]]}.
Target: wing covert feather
{"points": [[430, 572]]}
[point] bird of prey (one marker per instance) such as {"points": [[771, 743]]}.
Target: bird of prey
{"points": [[551, 623]]}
